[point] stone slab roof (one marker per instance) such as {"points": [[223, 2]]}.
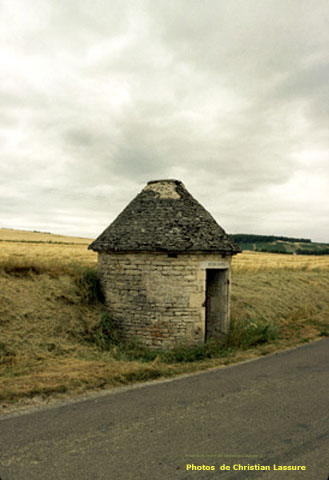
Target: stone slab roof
{"points": [[164, 217]]}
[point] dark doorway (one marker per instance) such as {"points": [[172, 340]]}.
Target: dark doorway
{"points": [[217, 283]]}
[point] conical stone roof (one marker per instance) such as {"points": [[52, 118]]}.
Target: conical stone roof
{"points": [[164, 217]]}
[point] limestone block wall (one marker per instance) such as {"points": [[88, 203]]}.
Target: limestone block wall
{"points": [[157, 298]]}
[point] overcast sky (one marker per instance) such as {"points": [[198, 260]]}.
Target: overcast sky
{"points": [[97, 97]]}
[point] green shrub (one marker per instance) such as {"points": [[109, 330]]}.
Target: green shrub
{"points": [[133, 350], [247, 333], [189, 353], [324, 332], [89, 287], [186, 353], [105, 334], [182, 353]]}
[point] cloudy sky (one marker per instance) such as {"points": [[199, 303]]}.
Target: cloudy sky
{"points": [[97, 97]]}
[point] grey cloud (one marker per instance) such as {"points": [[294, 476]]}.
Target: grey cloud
{"points": [[224, 95]]}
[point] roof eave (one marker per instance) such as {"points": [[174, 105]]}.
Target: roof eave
{"points": [[221, 251]]}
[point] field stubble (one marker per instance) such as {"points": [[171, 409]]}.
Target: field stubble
{"points": [[46, 326]]}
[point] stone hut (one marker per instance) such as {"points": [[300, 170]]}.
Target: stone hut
{"points": [[164, 267]]}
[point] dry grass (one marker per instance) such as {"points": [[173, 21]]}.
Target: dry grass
{"points": [[297, 302], [45, 343]]}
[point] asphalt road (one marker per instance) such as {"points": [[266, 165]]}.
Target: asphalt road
{"points": [[272, 411]]}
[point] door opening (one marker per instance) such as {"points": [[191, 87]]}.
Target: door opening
{"points": [[217, 283]]}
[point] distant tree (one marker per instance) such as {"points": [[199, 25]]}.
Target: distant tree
{"points": [[250, 238], [319, 251]]}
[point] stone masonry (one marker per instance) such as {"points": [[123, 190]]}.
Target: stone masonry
{"points": [[157, 299]]}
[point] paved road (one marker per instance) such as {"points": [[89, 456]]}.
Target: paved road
{"points": [[272, 411]]}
